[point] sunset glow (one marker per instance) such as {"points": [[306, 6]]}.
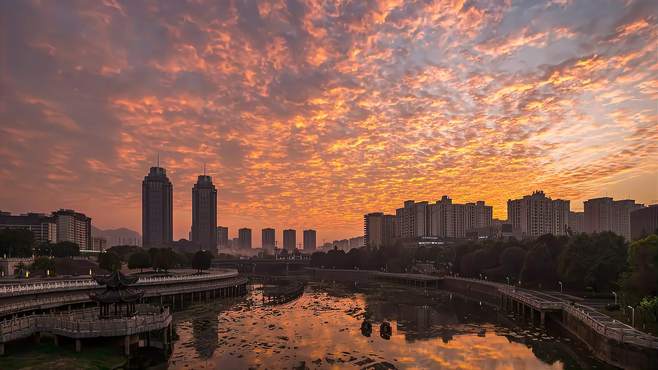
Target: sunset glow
{"points": [[311, 114]]}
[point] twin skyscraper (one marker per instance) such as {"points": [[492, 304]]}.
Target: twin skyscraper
{"points": [[158, 210]]}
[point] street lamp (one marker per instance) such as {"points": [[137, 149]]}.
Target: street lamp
{"points": [[615, 294], [632, 315], [559, 282], [507, 277]]}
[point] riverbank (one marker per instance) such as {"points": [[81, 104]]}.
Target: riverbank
{"points": [[612, 341], [47, 356]]}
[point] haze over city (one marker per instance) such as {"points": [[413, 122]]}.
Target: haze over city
{"points": [[310, 115]]}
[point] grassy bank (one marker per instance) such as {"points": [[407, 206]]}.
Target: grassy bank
{"points": [[25, 355]]}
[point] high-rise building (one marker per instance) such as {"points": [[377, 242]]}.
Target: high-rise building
{"points": [[204, 213], [244, 238], [606, 214], [412, 220], [535, 215], [222, 237], [290, 240], [356, 242], [43, 227], [157, 209], [644, 221], [73, 227], [378, 229], [268, 239], [98, 244], [577, 222], [453, 221], [309, 240]]}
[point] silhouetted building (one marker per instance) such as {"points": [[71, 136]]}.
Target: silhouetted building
{"points": [[356, 242], [535, 215], [309, 240], [644, 221], [378, 229], [606, 214], [577, 222], [204, 213], [157, 209], [222, 237], [43, 227], [268, 239], [456, 221], [244, 238], [98, 244], [290, 240], [73, 227]]}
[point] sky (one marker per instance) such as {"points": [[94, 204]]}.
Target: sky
{"points": [[311, 114]]}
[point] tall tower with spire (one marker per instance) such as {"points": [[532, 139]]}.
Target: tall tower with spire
{"points": [[204, 212], [157, 208]]}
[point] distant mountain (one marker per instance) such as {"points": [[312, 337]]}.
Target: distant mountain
{"points": [[120, 236]]}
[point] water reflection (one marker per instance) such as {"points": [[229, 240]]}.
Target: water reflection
{"points": [[326, 328]]}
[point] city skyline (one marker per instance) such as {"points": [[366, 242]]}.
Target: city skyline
{"points": [[310, 115]]}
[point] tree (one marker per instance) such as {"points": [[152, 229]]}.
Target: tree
{"points": [[139, 260], [163, 258], [641, 280], [124, 251], [43, 264], [202, 260], [16, 243], [109, 261], [594, 261], [65, 249], [511, 261]]}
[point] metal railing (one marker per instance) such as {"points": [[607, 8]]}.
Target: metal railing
{"points": [[84, 324], [28, 288]]}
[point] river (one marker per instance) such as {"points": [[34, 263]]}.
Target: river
{"points": [[322, 329]]}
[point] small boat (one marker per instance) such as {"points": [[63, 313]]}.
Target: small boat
{"points": [[366, 328], [385, 330]]}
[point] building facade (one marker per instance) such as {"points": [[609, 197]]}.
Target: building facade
{"points": [[577, 222], [268, 239], [606, 214], [244, 238], [43, 227], [98, 244], [157, 209], [378, 229], [290, 240], [644, 221], [536, 214], [204, 213], [73, 227], [310, 242], [222, 237]]}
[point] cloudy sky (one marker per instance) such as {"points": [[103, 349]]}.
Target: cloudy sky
{"points": [[310, 114]]}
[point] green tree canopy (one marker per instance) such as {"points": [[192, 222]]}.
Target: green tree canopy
{"points": [[16, 243], [163, 258], [109, 261], [65, 249], [202, 260], [43, 264], [641, 280], [139, 260]]}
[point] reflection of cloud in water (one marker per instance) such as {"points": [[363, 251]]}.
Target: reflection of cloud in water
{"points": [[322, 330]]}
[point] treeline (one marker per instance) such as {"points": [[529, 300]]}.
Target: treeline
{"points": [[159, 259], [600, 262], [20, 243]]}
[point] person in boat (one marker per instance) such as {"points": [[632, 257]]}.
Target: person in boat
{"points": [[366, 328], [385, 330]]}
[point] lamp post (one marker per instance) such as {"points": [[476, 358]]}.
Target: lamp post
{"points": [[615, 294], [507, 277], [632, 315], [559, 282]]}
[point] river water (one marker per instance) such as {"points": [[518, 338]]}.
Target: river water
{"points": [[322, 330]]}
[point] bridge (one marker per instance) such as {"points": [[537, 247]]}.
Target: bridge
{"points": [[262, 265], [172, 290]]}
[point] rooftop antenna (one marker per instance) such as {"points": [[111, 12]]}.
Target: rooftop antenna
{"points": [[204, 168], [158, 160]]}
